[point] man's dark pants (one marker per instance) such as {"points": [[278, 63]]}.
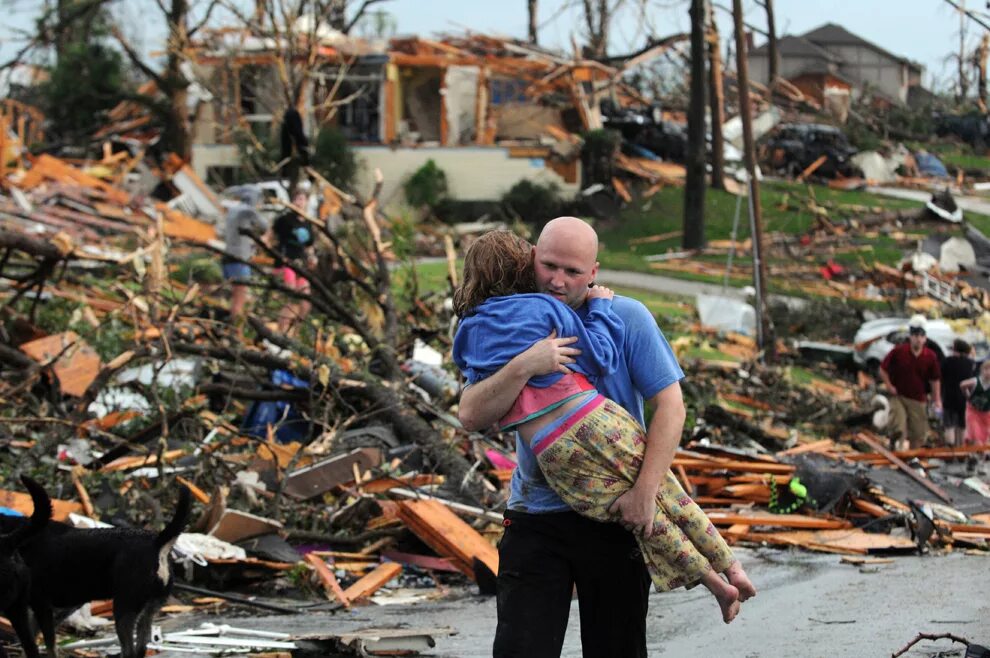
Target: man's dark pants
{"points": [[541, 558]]}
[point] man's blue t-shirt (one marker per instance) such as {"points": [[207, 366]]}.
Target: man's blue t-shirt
{"points": [[648, 367]]}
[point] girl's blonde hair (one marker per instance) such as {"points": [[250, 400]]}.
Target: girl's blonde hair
{"points": [[498, 263]]}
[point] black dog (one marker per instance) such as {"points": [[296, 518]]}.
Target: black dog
{"points": [[15, 578], [70, 567]]}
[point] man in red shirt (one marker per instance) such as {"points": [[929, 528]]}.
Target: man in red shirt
{"points": [[905, 371]]}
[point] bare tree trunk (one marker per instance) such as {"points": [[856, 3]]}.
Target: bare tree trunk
{"points": [[764, 329], [597, 19], [531, 6], [694, 188], [963, 81], [774, 69], [716, 102], [981, 67]]}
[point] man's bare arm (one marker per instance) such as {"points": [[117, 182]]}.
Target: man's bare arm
{"points": [[482, 404], [638, 506]]}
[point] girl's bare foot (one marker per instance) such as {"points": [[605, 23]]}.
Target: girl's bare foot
{"points": [[738, 578], [726, 594]]}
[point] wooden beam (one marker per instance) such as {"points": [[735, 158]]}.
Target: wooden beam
{"points": [[899, 463], [329, 580]]}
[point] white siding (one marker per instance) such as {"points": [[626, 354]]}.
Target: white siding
{"points": [[473, 173]]}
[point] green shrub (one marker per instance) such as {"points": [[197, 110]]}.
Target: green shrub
{"points": [[427, 187], [598, 154], [334, 158], [199, 269], [534, 203]]}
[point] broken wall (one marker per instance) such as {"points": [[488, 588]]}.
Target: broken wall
{"points": [[421, 106], [461, 95]]}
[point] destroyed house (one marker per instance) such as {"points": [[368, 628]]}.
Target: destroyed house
{"points": [[475, 104], [830, 61]]}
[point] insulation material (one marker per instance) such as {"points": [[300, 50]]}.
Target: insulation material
{"points": [[525, 120], [956, 252], [460, 92], [422, 105]]}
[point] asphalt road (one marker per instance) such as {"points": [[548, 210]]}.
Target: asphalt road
{"points": [[809, 605]]}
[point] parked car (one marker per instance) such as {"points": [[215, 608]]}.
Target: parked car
{"points": [[875, 338], [793, 147]]}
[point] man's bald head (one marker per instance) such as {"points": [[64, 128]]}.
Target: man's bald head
{"points": [[571, 229], [565, 259]]}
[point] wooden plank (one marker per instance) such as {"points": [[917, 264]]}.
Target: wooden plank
{"points": [[330, 584], [77, 363], [870, 508], [323, 476], [863, 561], [815, 446], [970, 528], [21, 502], [899, 463], [448, 535], [850, 541], [197, 493], [812, 168], [738, 466], [799, 521], [234, 525], [373, 581]]}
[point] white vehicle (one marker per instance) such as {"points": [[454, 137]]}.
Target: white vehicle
{"points": [[876, 338]]}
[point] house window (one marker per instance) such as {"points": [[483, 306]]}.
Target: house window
{"points": [[507, 90]]}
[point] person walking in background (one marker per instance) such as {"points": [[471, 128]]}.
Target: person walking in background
{"points": [[242, 218], [293, 244], [907, 371], [956, 368]]}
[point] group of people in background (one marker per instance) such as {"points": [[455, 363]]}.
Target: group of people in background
{"points": [[958, 388], [291, 238]]}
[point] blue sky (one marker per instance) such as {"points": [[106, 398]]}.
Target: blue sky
{"points": [[923, 30]]}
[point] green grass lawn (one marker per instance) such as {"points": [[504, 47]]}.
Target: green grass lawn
{"points": [[785, 209]]}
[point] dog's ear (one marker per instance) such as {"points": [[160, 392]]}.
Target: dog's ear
{"points": [[42, 503]]}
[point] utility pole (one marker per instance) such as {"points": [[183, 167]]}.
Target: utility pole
{"points": [[764, 329], [694, 186], [716, 101]]}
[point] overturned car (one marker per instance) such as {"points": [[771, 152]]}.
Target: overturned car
{"points": [[794, 147]]}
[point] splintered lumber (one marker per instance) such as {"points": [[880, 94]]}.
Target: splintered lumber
{"points": [[76, 365], [800, 521], [870, 508], [21, 502], [448, 535], [865, 561], [621, 190], [660, 237], [329, 580], [323, 476], [899, 463], [823, 445], [970, 528], [851, 541], [235, 525], [812, 168], [373, 581], [738, 466]]}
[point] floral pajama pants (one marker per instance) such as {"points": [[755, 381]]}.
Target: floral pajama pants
{"points": [[593, 456]]}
